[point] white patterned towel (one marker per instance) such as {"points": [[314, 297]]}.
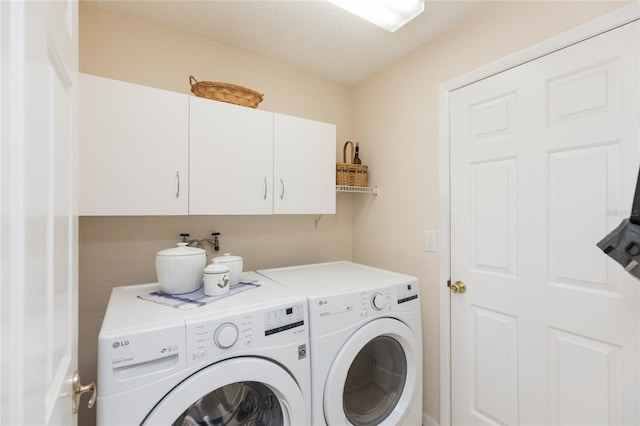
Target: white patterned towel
{"points": [[188, 301]]}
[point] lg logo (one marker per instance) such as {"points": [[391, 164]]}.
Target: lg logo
{"points": [[116, 345]]}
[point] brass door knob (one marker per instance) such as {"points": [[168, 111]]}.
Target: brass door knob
{"points": [[79, 389], [459, 287]]}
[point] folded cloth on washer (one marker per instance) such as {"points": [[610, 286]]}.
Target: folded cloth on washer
{"points": [[188, 301]]}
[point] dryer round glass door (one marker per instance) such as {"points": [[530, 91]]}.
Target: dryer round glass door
{"points": [[238, 391], [375, 381], [373, 377]]}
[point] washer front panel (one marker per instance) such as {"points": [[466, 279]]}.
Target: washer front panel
{"points": [[208, 339], [156, 361]]}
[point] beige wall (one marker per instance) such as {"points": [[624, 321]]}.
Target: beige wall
{"points": [[394, 115], [396, 122]]}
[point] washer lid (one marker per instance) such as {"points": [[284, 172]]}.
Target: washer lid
{"points": [[373, 378], [235, 389]]}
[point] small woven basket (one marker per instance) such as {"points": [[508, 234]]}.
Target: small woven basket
{"points": [[225, 92], [350, 174]]}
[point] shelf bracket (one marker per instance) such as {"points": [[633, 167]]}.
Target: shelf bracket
{"points": [[315, 222]]}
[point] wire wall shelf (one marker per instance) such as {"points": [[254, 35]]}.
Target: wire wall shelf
{"points": [[360, 189]]}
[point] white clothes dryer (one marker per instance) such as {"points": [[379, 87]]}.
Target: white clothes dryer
{"points": [[365, 343], [239, 360]]}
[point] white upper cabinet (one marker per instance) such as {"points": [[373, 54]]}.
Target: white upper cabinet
{"points": [[248, 161], [231, 159], [146, 151], [133, 149], [304, 166]]}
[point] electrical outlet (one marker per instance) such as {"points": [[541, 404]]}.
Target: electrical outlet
{"points": [[430, 241]]}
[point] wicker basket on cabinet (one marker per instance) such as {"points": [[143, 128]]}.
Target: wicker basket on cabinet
{"points": [[225, 92]]}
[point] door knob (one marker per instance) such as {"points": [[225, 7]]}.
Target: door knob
{"points": [[459, 287], [79, 389]]}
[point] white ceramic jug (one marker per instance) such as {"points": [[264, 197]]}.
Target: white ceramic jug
{"points": [[180, 269]]}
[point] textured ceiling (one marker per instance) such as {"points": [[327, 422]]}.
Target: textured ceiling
{"points": [[310, 34]]}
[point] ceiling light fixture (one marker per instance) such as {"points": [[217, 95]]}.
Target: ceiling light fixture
{"points": [[388, 14]]}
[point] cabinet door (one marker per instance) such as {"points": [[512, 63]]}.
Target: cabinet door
{"points": [[231, 159], [133, 149], [304, 166]]}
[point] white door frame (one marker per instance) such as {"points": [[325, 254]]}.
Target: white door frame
{"points": [[599, 25]]}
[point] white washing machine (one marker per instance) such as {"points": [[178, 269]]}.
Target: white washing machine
{"points": [[239, 360], [365, 343]]}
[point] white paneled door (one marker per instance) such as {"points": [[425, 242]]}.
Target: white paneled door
{"points": [[38, 224], [544, 159]]}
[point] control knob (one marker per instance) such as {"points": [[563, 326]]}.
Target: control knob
{"points": [[225, 335], [378, 302]]}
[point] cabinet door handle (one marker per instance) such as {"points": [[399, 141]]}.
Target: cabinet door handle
{"points": [[282, 184], [178, 188], [265, 187]]}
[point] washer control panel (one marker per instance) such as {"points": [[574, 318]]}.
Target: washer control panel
{"points": [[207, 339], [283, 319]]}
